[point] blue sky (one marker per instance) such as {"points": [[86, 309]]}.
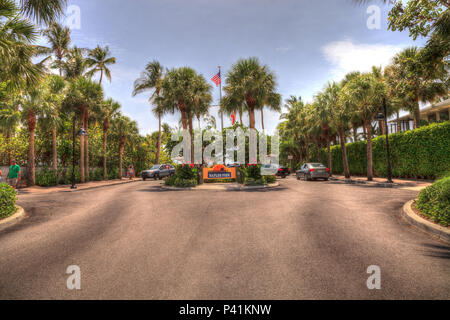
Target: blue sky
{"points": [[306, 43]]}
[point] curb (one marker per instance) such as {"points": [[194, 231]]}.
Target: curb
{"points": [[15, 218], [82, 189], [225, 188], [435, 230], [269, 186], [96, 187], [370, 183]]}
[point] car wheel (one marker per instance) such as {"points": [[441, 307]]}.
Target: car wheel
{"points": [[156, 177], [298, 177], [308, 178], [144, 178], [326, 179]]}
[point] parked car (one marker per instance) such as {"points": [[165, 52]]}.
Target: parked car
{"points": [[313, 171], [283, 172], [275, 170], [158, 171]]}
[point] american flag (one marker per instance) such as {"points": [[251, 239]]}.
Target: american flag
{"points": [[216, 79]]}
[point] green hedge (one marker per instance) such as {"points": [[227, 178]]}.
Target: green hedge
{"points": [[434, 201], [184, 177], [8, 199], [420, 153]]}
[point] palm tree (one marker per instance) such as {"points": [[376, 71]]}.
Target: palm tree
{"points": [[176, 94], [341, 116], [151, 79], [324, 109], [59, 39], [32, 106], [75, 64], [108, 110], [16, 51], [83, 94], [124, 128], [198, 105], [53, 94], [98, 59], [293, 126], [419, 81], [249, 82], [43, 11], [366, 93]]}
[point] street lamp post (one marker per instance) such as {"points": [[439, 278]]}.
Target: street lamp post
{"points": [[73, 153], [383, 116], [81, 132]]}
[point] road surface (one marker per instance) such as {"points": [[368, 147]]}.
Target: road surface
{"points": [[304, 240]]}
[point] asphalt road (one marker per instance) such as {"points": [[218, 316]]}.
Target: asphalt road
{"points": [[304, 240]]}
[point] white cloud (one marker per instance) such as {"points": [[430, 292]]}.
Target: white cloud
{"points": [[346, 56]]}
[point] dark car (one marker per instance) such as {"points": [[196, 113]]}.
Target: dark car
{"points": [[313, 171], [158, 171], [276, 170], [283, 172]]}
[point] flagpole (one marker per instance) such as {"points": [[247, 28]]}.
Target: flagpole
{"points": [[220, 99]]}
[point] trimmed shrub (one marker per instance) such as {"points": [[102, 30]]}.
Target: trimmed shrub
{"points": [[270, 179], [434, 201], [185, 177], [420, 153], [46, 177], [8, 199]]}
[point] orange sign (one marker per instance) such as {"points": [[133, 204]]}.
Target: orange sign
{"points": [[219, 172]]}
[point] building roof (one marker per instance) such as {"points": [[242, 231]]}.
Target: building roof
{"points": [[441, 106]]}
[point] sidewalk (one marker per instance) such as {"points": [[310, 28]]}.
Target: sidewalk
{"points": [[81, 186], [410, 184]]}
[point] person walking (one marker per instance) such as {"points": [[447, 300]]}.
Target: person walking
{"points": [[130, 172], [14, 174]]}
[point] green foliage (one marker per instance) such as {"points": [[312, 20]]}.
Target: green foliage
{"points": [[270, 179], [8, 199], [185, 177], [420, 153], [434, 201], [46, 177], [252, 176], [418, 16]]}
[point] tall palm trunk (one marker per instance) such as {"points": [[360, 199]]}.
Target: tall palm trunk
{"points": [[316, 142], [399, 126], [191, 134], [105, 139], [86, 145], [330, 161], [121, 148], [101, 76], [262, 118], [82, 148], [307, 149], [31, 122], [184, 120], [365, 132], [369, 151], [8, 143], [240, 117], [251, 117], [158, 145], [416, 113], [54, 150], [344, 153], [82, 176], [301, 154], [355, 133]]}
